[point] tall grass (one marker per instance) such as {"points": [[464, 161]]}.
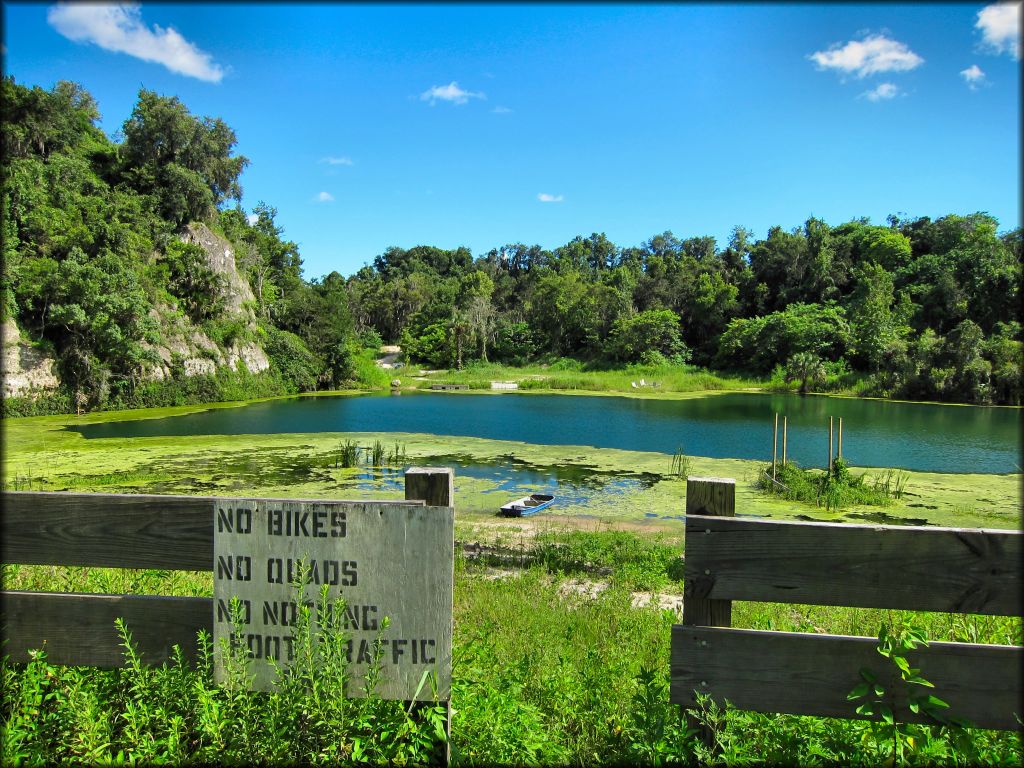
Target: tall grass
{"points": [[544, 672], [566, 374], [834, 490], [175, 714], [367, 374], [680, 464]]}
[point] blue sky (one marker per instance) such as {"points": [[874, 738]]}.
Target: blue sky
{"points": [[368, 126]]}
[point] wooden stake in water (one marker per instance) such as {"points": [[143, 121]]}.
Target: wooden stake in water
{"points": [[829, 446], [839, 447], [785, 420], [775, 444]]}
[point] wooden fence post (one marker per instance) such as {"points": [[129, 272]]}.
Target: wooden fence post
{"points": [[714, 496], [785, 425], [435, 486], [775, 451], [828, 467]]}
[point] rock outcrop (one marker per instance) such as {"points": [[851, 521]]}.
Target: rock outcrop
{"points": [[25, 369], [221, 257], [200, 355]]}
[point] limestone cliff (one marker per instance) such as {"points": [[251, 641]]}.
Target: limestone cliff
{"points": [[25, 369], [28, 371], [198, 353]]}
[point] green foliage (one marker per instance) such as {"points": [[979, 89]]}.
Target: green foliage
{"points": [[290, 357], [651, 331], [199, 289], [634, 562], [431, 346], [806, 368], [878, 702], [680, 464], [366, 373], [223, 386], [547, 669], [183, 162], [761, 343], [835, 490], [918, 309], [514, 343], [173, 714]]}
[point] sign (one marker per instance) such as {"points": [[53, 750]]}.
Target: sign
{"points": [[384, 559]]}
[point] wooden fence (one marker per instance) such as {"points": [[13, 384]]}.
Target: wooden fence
{"points": [[921, 568], [128, 531]]}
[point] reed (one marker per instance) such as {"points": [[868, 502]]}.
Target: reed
{"points": [[377, 454], [680, 464], [348, 455]]}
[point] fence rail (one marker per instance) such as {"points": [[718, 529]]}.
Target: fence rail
{"points": [[921, 568], [127, 531]]}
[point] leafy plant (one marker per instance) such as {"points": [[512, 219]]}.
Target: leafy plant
{"points": [[881, 703]]}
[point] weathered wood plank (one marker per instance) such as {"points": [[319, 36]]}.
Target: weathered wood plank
{"points": [[76, 629], [391, 561], [114, 530], [806, 674], [108, 530], [708, 496], [711, 496], [433, 485], [910, 567]]}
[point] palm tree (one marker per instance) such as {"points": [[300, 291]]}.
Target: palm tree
{"points": [[806, 367]]}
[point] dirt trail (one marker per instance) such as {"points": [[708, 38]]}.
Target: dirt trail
{"points": [[389, 356]]}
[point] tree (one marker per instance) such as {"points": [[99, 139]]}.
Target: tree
{"points": [[199, 289], [1005, 352], [184, 162], [475, 298], [514, 342], [972, 380], [655, 330], [759, 344], [805, 367], [874, 322]]}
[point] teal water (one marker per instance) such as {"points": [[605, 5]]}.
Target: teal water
{"points": [[876, 433]]}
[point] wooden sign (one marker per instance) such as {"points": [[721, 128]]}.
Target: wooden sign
{"points": [[384, 559]]}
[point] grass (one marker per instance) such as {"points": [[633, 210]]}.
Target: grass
{"points": [[176, 714], [567, 374], [40, 454], [553, 663], [836, 490]]}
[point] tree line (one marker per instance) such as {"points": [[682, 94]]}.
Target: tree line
{"points": [[916, 308]]}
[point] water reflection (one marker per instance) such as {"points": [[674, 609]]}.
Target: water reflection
{"points": [[919, 436]]}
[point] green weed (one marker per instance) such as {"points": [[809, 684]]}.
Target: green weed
{"points": [[835, 490], [680, 464]]}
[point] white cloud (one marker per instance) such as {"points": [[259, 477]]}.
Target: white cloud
{"points": [[883, 92], [870, 56], [501, 110], [450, 93], [325, 197], [974, 76], [1000, 28], [337, 160], [252, 218], [544, 197], [119, 28]]}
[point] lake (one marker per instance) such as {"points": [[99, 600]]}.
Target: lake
{"points": [[876, 433]]}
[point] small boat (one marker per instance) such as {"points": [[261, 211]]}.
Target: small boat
{"points": [[527, 505]]}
